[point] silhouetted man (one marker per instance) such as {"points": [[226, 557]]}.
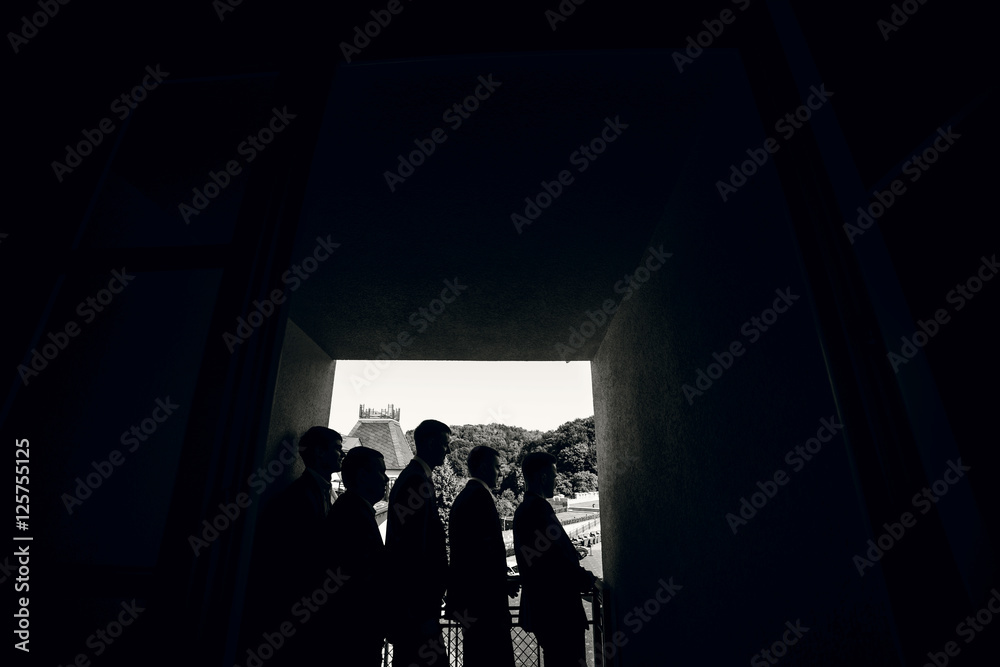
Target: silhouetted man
{"points": [[552, 578], [359, 555], [415, 540], [291, 544], [477, 586]]}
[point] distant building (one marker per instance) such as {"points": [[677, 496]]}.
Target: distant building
{"points": [[380, 429]]}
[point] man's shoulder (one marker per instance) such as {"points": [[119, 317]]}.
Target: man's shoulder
{"points": [[293, 494], [533, 503], [346, 505], [409, 476], [299, 484], [529, 510], [472, 498], [472, 492], [350, 513], [521, 508], [411, 494], [463, 497], [413, 473]]}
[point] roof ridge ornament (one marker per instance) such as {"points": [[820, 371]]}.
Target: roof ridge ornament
{"points": [[392, 412]]}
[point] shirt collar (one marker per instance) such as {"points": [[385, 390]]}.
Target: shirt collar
{"points": [[485, 485], [423, 464]]}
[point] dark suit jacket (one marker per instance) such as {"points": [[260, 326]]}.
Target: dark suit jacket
{"points": [[478, 575], [293, 524], [288, 554], [418, 556], [359, 554], [299, 506], [552, 578]]}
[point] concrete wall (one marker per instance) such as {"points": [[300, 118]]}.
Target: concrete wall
{"points": [[673, 466], [302, 396]]}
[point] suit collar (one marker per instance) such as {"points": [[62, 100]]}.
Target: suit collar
{"points": [[359, 499], [484, 485], [423, 464], [324, 483], [539, 499]]}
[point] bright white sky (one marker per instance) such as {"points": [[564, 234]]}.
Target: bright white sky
{"points": [[531, 394]]}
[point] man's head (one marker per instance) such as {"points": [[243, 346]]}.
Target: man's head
{"points": [[432, 439], [539, 470], [484, 463], [322, 449], [363, 473]]}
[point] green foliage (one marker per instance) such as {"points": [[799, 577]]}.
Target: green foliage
{"points": [[571, 443], [576, 458], [512, 480], [564, 486], [459, 456], [584, 481], [578, 435], [447, 485], [507, 503]]}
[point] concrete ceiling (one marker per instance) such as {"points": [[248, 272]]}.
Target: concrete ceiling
{"points": [[451, 219]]}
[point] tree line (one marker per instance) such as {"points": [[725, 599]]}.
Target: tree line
{"points": [[571, 443]]}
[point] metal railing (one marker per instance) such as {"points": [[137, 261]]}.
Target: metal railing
{"points": [[527, 652]]}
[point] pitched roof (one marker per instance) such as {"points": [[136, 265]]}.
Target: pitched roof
{"points": [[385, 435]]}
